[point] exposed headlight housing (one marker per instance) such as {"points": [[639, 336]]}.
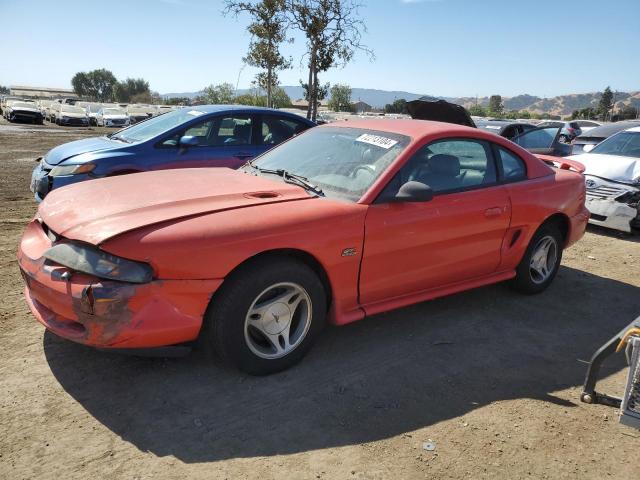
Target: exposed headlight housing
{"points": [[71, 169], [88, 259]]}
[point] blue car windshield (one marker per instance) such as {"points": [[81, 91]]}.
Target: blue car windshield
{"points": [[155, 126]]}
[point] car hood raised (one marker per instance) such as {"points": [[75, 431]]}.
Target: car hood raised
{"points": [[611, 167], [430, 108], [65, 151], [96, 210]]}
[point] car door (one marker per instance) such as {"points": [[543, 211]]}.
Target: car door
{"points": [[544, 141], [457, 236], [224, 140]]}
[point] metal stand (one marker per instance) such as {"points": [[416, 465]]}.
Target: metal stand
{"points": [[589, 394]]}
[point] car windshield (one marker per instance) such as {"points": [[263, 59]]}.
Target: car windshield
{"points": [[538, 138], [626, 144], [94, 108], [113, 111], [71, 109], [343, 162], [158, 125], [24, 105]]}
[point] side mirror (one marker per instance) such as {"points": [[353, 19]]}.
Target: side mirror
{"points": [[189, 141], [414, 192]]}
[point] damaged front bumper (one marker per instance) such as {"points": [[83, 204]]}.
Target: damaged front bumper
{"points": [[613, 205], [109, 314]]}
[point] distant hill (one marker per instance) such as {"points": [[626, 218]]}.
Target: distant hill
{"points": [[560, 105]]}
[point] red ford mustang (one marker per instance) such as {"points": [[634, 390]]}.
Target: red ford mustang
{"points": [[343, 221]]}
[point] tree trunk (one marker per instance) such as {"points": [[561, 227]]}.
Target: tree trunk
{"points": [[314, 114], [269, 81], [310, 88]]}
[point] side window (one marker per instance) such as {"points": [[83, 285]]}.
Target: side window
{"points": [[230, 131], [513, 168], [276, 129], [449, 165], [538, 138], [201, 131]]}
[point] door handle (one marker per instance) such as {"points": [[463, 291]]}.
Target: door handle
{"points": [[493, 212]]}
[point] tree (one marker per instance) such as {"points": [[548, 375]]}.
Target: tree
{"points": [[398, 106], [177, 101], [495, 105], [333, 31], [4, 90], [478, 111], [218, 94], [268, 30], [586, 113], [606, 103], [279, 98], [97, 85], [340, 100], [321, 92], [133, 90]]}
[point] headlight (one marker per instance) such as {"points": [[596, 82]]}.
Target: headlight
{"points": [[93, 261], [71, 169]]}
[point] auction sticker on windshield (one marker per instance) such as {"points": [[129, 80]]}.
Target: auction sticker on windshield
{"points": [[376, 140]]}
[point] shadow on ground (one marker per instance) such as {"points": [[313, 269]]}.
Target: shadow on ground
{"points": [[389, 374]]}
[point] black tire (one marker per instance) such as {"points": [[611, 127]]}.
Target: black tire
{"points": [[224, 322], [525, 280]]}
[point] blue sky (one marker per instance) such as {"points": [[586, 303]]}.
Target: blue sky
{"points": [[439, 47]]}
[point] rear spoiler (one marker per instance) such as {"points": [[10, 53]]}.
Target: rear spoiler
{"points": [[562, 163]]}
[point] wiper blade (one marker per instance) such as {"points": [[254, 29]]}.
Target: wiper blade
{"points": [[291, 178]]}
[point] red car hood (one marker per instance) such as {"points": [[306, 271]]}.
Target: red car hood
{"points": [[96, 210]]}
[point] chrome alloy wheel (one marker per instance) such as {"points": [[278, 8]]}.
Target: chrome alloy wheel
{"points": [[543, 259], [278, 320]]}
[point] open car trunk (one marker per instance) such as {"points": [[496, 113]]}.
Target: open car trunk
{"points": [[430, 108]]}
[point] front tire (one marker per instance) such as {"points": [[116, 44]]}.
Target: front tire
{"points": [[266, 316], [541, 261]]}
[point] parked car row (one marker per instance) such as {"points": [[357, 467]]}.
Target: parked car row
{"points": [[73, 112], [337, 222]]}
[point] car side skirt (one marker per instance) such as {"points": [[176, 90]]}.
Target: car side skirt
{"points": [[406, 300]]}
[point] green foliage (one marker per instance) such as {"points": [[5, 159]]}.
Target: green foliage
{"points": [[220, 94], [478, 111], [495, 106], [279, 98], [133, 90], [606, 103], [177, 101], [321, 91], [96, 85], [587, 113], [340, 98], [398, 106], [4, 90], [251, 99]]}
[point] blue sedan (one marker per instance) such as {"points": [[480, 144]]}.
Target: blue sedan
{"points": [[202, 136]]}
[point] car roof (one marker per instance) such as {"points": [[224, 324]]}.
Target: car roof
{"points": [[633, 129], [410, 127], [609, 129], [246, 109]]}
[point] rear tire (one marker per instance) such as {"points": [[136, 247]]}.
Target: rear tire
{"points": [[266, 316], [541, 261]]}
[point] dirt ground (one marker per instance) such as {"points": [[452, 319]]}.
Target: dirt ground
{"points": [[492, 378]]}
